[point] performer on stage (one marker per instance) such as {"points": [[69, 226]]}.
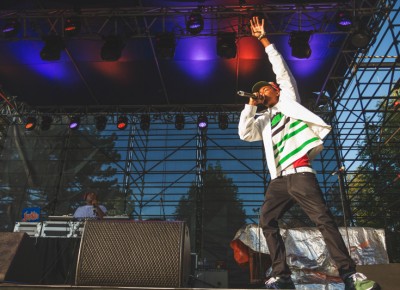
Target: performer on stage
{"points": [[92, 209], [292, 136]]}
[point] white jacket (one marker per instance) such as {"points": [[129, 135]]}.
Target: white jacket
{"points": [[257, 129]]}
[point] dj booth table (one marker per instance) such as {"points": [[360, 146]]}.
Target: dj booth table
{"points": [[58, 226], [57, 260]]}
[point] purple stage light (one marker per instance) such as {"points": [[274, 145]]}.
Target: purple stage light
{"points": [[202, 122], [74, 123]]}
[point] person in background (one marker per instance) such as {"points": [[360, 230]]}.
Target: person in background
{"points": [[292, 136], [92, 209]]}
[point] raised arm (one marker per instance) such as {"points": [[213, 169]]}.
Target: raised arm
{"points": [[284, 77]]}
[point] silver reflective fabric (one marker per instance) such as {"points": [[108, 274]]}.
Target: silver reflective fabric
{"points": [[307, 255]]}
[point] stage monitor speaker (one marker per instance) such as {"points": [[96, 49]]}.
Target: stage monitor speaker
{"points": [[18, 259], [387, 275], [134, 254]]}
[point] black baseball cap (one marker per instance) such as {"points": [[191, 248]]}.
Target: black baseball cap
{"points": [[257, 86]]}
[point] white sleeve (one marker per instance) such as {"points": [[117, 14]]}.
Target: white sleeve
{"points": [[284, 77], [249, 127]]}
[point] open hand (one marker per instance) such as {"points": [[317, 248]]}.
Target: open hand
{"points": [[257, 27]]}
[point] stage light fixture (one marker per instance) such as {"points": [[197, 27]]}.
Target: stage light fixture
{"points": [[223, 121], [52, 47], [343, 20], [360, 38], [165, 44], [299, 42], [122, 122], [195, 23], [46, 123], [226, 44], [74, 122], [179, 121], [101, 123], [72, 26], [145, 122], [11, 28], [30, 123], [112, 48], [202, 122]]}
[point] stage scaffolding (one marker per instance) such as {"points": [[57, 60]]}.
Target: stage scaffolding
{"points": [[150, 171]]}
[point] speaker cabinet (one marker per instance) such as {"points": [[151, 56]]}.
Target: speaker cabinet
{"points": [[18, 259], [131, 253], [387, 275], [213, 278]]}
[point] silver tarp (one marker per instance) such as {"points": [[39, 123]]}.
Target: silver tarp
{"points": [[307, 255]]}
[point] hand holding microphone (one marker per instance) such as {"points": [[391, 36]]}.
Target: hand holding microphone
{"points": [[254, 98], [95, 204]]}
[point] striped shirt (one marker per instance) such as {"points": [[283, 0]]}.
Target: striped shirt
{"points": [[291, 140]]}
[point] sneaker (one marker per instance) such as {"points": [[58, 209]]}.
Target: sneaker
{"points": [[359, 281], [279, 283]]}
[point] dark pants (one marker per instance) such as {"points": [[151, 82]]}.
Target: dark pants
{"points": [[304, 189]]}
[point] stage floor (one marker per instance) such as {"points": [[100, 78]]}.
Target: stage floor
{"points": [[387, 275], [66, 287]]}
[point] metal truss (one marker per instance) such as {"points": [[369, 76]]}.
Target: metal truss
{"points": [[141, 21], [201, 167], [372, 75], [359, 92], [163, 112], [362, 96]]}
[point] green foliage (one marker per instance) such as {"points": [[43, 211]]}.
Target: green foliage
{"points": [[374, 189], [52, 169], [222, 212]]}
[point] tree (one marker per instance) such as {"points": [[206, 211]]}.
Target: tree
{"points": [[374, 188], [222, 214], [52, 169]]}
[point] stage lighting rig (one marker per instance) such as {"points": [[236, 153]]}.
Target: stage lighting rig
{"points": [[112, 48], [11, 28], [122, 122], [30, 123], [344, 20], [74, 122], [145, 122], [72, 26], [101, 123], [223, 121], [52, 47], [299, 41], [46, 123], [165, 44], [226, 44], [179, 121], [202, 122], [195, 23]]}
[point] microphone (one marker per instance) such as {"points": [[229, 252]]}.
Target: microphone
{"points": [[94, 208], [247, 95]]}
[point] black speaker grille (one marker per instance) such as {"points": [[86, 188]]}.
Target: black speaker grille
{"points": [[125, 253]]}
